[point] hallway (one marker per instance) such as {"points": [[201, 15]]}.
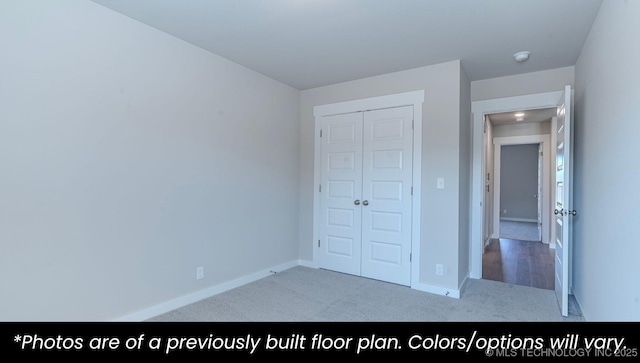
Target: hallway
{"points": [[522, 231]]}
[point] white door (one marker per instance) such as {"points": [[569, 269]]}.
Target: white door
{"points": [[341, 183], [386, 193], [563, 203], [365, 196]]}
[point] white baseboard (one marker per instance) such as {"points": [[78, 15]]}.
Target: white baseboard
{"points": [[454, 293], [179, 302], [167, 306], [519, 220], [487, 242]]}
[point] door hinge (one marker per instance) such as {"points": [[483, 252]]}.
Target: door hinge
{"points": [[410, 255], [411, 190], [318, 243], [320, 132], [412, 124], [320, 188]]}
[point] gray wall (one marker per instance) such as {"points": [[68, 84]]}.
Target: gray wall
{"points": [[607, 169], [522, 84], [465, 179], [519, 182], [531, 128], [440, 158], [128, 159]]}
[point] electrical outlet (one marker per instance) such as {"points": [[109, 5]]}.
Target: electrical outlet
{"points": [[199, 272], [439, 269]]}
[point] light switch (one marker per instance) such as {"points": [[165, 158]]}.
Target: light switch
{"points": [[440, 183]]}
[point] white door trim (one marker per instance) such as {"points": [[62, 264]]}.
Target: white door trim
{"points": [[415, 99], [479, 110], [498, 142]]}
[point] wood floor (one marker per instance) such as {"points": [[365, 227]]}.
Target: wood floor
{"points": [[519, 262]]}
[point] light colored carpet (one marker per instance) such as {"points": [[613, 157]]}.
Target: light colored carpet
{"points": [[523, 231], [302, 294]]}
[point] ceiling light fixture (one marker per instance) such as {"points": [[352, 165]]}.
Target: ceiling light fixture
{"points": [[521, 56], [519, 114], [519, 119]]}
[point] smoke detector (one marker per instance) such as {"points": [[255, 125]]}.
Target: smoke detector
{"points": [[521, 56]]}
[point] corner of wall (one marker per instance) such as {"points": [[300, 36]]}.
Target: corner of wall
{"points": [[464, 184]]}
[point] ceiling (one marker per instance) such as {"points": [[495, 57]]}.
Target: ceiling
{"points": [[311, 43], [509, 118]]}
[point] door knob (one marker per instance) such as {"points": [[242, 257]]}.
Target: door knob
{"points": [[356, 202], [365, 202], [573, 212], [560, 212]]}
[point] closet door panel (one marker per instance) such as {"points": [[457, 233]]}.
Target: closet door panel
{"points": [[341, 181], [386, 193]]}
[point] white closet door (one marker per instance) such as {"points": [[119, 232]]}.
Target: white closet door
{"points": [[340, 197], [386, 194]]}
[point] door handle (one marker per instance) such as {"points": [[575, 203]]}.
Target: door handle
{"points": [[556, 212], [365, 202], [573, 212], [356, 202]]}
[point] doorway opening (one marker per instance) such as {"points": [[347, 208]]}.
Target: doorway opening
{"points": [[516, 220], [561, 156], [521, 192]]}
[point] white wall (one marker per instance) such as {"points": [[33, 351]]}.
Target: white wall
{"points": [[441, 157], [522, 84], [128, 158], [607, 170]]}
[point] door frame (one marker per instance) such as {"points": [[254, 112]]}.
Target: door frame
{"points": [[413, 98], [498, 143], [479, 109]]}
